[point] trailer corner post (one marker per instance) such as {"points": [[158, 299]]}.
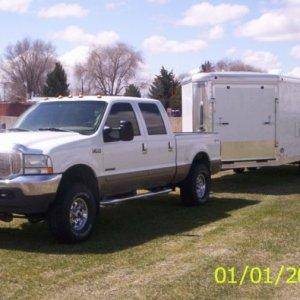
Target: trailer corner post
{"points": [[276, 119]]}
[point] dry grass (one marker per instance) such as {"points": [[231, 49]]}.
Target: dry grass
{"points": [[159, 249]]}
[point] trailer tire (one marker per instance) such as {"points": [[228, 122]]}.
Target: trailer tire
{"points": [[71, 219], [252, 169], [195, 190], [239, 171]]}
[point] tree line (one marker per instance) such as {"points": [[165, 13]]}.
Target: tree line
{"points": [[31, 68]]}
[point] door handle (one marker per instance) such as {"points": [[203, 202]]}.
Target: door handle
{"points": [[268, 122], [170, 148], [222, 123], [144, 148]]}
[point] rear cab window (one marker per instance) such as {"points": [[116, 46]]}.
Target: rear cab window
{"points": [[153, 119]]}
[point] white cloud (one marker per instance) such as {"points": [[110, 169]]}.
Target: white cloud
{"points": [[293, 2], [205, 13], [76, 34], [158, 1], [216, 32], [295, 72], [275, 25], [145, 75], [63, 10], [231, 51], [262, 59], [114, 5], [71, 58], [160, 44], [19, 6], [275, 71], [75, 56], [194, 71], [295, 52]]}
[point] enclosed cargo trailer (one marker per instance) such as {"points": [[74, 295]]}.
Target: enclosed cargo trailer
{"points": [[256, 115]]}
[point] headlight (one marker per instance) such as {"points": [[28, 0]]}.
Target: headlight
{"points": [[10, 164], [37, 164]]}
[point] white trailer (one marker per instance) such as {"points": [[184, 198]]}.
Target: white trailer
{"points": [[256, 115]]}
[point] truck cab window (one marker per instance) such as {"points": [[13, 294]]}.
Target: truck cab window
{"points": [[153, 119], [122, 112]]}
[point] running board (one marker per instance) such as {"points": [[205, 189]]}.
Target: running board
{"points": [[141, 196]]}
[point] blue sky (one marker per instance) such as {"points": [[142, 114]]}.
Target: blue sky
{"points": [[179, 34]]}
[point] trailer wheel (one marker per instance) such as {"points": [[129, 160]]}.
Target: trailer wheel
{"points": [[196, 188], [71, 219], [252, 169], [239, 171]]}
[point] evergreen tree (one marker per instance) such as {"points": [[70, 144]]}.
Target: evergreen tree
{"points": [[56, 83], [133, 91], [176, 102], [207, 67], [165, 88]]}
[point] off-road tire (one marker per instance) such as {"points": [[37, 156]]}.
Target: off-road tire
{"points": [[59, 216], [190, 193]]}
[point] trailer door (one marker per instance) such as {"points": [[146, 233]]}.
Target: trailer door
{"points": [[244, 116]]}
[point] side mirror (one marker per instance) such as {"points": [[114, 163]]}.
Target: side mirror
{"points": [[126, 131], [111, 134], [3, 127]]}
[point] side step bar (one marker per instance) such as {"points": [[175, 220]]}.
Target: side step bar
{"points": [[141, 196]]}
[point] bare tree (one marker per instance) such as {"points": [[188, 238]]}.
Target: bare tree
{"points": [[25, 66], [83, 84], [110, 69], [235, 66]]}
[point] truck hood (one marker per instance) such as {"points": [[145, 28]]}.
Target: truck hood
{"points": [[37, 141]]}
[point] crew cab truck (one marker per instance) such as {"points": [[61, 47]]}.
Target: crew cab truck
{"points": [[67, 157]]}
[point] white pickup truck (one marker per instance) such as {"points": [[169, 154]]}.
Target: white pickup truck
{"points": [[67, 157]]}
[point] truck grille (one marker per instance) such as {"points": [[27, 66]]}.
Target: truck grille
{"points": [[5, 166]]}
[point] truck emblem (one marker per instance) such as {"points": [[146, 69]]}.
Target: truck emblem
{"points": [[96, 151]]}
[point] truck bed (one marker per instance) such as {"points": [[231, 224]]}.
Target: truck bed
{"points": [[187, 142]]}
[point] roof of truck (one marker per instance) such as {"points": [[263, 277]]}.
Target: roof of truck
{"points": [[238, 76], [96, 98]]}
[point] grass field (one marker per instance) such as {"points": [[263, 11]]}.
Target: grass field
{"points": [[159, 249]]}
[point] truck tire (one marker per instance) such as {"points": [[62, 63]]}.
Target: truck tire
{"points": [[71, 219], [196, 188]]}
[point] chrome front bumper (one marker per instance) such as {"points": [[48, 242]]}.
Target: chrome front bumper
{"points": [[28, 194], [33, 185]]}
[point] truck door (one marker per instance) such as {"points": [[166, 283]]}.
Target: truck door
{"points": [[160, 147], [123, 161], [244, 116]]}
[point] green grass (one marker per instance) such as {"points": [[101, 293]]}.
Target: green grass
{"points": [[159, 249]]}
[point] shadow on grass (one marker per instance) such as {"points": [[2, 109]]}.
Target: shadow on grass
{"points": [[267, 181], [125, 226]]}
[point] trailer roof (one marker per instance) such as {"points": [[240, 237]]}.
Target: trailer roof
{"points": [[243, 76]]}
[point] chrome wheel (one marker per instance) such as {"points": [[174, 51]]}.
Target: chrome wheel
{"points": [[78, 214], [200, 186]]}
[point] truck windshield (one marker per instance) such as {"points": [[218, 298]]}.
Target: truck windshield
{"points": [[83, 117]]}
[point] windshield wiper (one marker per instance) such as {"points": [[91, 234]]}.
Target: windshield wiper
{"points": [[18, 129], [54, 129]]}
